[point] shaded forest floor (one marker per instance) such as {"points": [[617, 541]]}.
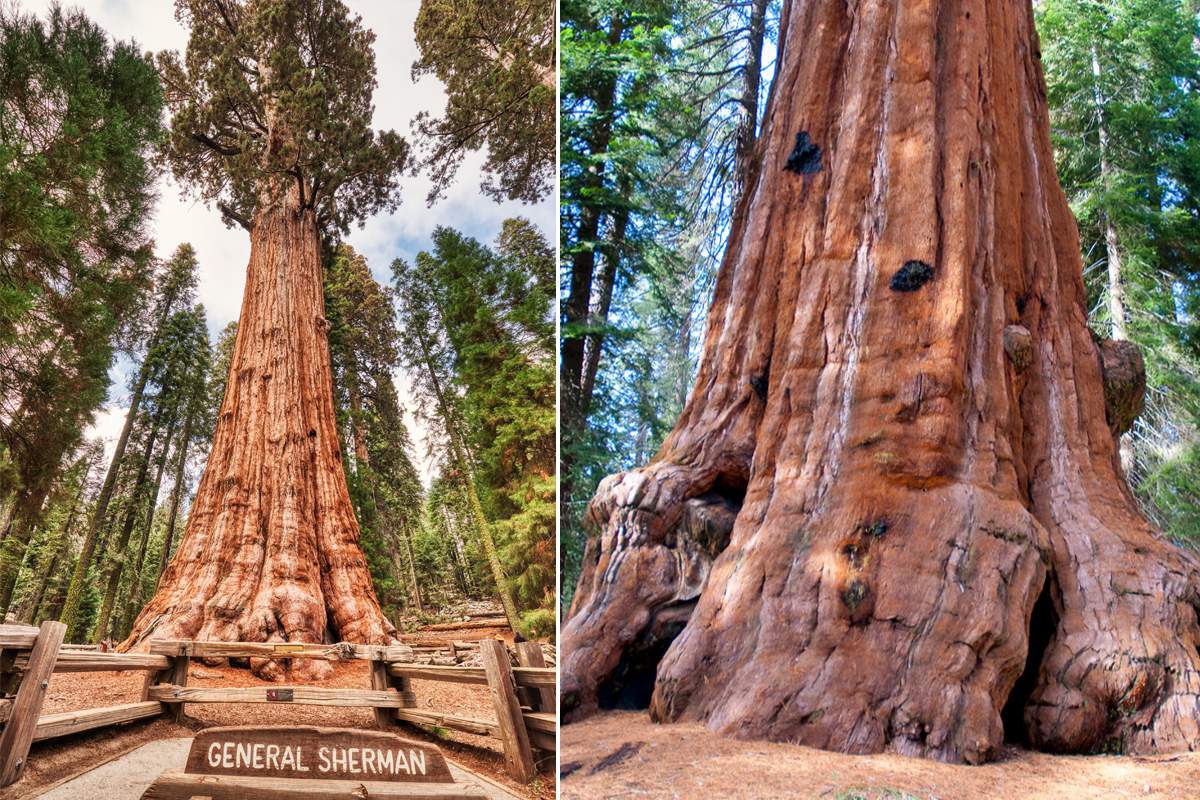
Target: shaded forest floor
{"points": [[622, 754], [55, 760]]}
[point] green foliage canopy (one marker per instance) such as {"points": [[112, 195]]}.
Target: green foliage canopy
{"points": [[79, 122], [384, 485], [483, 319], [275, 95], [496, 59]]}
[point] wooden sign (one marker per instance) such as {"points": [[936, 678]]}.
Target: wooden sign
{"points": [[315, 753]]}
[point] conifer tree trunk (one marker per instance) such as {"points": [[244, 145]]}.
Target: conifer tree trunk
{"points": [[7, 508], [56, 596], [39, 595], [606, 282], [577, 307], [459, 455], [1116, 292], [751, 82], [406, 539], [361, 456], [135, 578], [893, 506], [270, 551], [462, 569], [176, 493], [116, 560], [51, 559], [16, 543], [1112, 242], [88, 550]]}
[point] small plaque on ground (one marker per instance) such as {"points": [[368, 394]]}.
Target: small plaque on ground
{"points": [[315, 753]]}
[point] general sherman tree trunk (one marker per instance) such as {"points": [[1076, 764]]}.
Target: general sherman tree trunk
{"points": [[270, 551], [892, 515]]}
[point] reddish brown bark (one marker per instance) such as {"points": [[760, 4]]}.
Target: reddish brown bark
{"points": [[270, 551], [910, 489]]}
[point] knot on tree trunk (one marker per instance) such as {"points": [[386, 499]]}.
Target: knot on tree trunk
{"points": [[1018, 344], [1124, 383], [706, 523]]}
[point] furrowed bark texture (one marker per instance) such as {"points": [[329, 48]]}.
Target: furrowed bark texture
{"points": [[270, 551], [901, 398]]}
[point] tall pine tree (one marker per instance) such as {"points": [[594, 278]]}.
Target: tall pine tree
{"points": [[79, 121], [1122, 78]]}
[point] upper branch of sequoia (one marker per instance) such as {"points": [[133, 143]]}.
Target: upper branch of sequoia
{"points": [[275, 95]]}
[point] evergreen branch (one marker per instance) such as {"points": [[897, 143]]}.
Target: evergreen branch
{"points": [[228, 213]]}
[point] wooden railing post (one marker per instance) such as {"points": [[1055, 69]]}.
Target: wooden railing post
{"points": [[529, 654], [176, 674], [379, 680], [385, 717], [22, 723], [517, 754]]}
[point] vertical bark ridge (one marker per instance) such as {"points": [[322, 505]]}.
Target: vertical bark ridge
{"points": [[908, 487]]}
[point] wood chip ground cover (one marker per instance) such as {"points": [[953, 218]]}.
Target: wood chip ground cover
{"points": [[664, 762]]}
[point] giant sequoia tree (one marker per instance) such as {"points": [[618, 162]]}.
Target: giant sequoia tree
{"points": [[271, 119], [892, 514]]}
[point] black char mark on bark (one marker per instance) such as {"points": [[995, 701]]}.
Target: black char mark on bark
{"points": [[912, 276], [876, 528], [805, 158], [759, 384]]}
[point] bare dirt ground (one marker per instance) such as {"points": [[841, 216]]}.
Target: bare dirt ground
{"points": [[622, 754], [52, 761]]}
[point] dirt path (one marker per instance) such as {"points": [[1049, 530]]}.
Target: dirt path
{"points": [[622, 754], [56, 759]]}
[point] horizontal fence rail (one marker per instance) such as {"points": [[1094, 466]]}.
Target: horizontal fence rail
{"points": [[524, 696], [294, 695], [343, 651], [532, 677], [50, 726], [94, 661]]}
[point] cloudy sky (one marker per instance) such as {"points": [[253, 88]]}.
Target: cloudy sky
{"points": [[223, 252]]}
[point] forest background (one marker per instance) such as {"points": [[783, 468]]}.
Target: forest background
{"points": [[661, 106], [119, 293]]}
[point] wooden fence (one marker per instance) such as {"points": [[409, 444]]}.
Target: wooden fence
{"points": [[524, 697]]}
